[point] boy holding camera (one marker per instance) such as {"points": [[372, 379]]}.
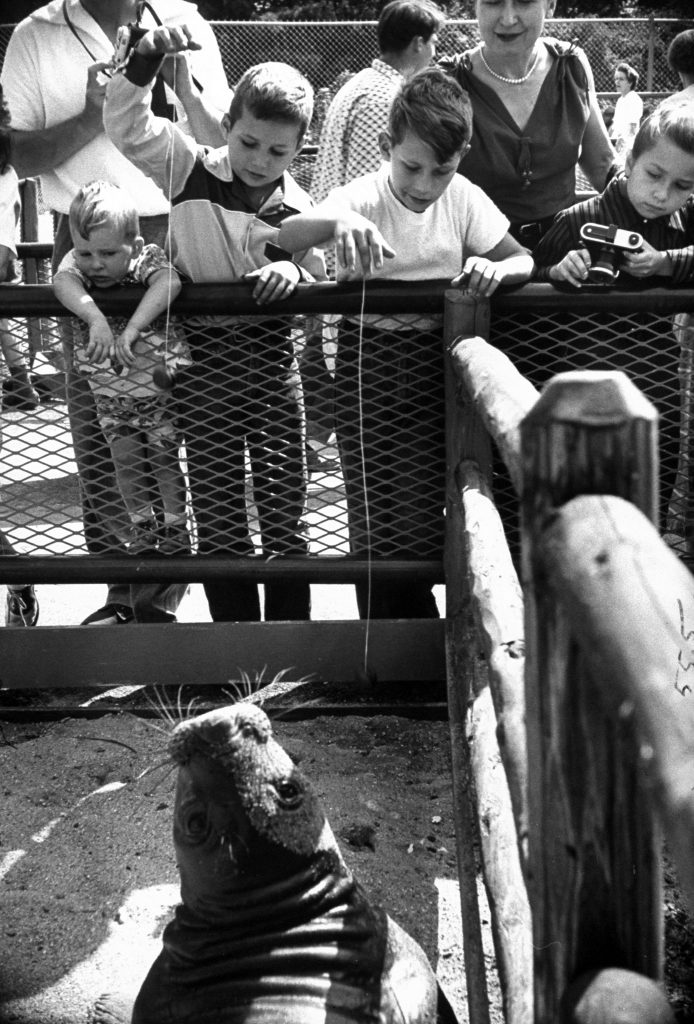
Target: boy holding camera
{"points": [[653, 196]]}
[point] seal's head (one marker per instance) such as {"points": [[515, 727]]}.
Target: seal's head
{"points": [[245, 815]]}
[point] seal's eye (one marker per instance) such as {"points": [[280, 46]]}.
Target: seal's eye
{"points": [[196, 824], [290, 793]]}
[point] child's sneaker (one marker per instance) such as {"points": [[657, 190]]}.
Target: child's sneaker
{"points": [[143, 539], [22, 608], [174, 540]]}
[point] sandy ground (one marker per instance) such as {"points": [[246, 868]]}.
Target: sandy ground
{"points": [[87, 871]]}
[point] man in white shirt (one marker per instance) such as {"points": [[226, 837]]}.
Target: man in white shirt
{"points": [[54, 76]]}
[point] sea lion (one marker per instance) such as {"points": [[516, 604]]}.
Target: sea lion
{"points": [[272, 927]]}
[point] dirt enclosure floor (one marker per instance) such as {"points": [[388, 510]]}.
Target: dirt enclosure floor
{"points": [[87, 871], [88, 877]]}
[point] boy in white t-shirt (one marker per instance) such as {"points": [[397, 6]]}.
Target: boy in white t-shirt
{"points": [[389, 370]]}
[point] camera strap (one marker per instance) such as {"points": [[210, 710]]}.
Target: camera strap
{"points": [[78, 37]]}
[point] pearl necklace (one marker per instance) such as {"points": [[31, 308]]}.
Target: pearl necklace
{"points": [[510, 81]]}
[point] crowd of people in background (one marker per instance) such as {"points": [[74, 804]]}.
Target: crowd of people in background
{"points": [[462, 168]]}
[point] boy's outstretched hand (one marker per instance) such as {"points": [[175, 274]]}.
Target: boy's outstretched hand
{"points": [[480, 276], [167, 39], [359, 245], [275, 281]]}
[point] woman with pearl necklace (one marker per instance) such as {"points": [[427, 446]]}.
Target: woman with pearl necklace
{"points": [[535, 116]]}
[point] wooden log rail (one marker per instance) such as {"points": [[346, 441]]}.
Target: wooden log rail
{"points": [[486, 397], [631, 601], [564, 806]]}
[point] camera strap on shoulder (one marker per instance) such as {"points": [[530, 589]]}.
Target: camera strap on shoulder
{"points": [[71, 25]]}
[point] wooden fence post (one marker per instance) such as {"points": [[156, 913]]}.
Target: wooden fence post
{"points": [[465, 438], [594, 852]]}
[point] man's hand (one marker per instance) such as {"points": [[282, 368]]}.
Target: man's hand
{"points": [[275, 281], [95, 93], [167, 39]]}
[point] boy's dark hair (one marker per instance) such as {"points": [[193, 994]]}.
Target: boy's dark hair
{"points": [[4, 134], [673, 119], [680, 54], [401, 21], [433, 106], [632, 75], [274, 91], [100, 203]]}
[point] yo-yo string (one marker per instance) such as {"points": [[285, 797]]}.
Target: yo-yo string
{"points": [[170, 271], [362, 450]]}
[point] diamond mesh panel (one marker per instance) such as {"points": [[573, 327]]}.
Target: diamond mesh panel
{"points": [[226, 452], [655, 353]]}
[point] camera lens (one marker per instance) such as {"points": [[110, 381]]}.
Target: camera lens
{"points": [[604, 268]]}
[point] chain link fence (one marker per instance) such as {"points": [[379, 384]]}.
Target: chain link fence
{"points": [[328, 52]]}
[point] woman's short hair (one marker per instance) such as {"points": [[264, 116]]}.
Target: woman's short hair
{"points": [[434, 107], [680, 54], [274, 91], [632, 75], [401, 21], [101, 203]]}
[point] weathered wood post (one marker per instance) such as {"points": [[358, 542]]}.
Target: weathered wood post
{"points": [[594, 852], [465, 438]]}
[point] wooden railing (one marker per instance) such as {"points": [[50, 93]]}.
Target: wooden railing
{"points": [[570, 700]]}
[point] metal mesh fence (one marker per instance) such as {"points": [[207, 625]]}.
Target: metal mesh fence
{"points": [[294, 435], [251, 444], [653, 348]]}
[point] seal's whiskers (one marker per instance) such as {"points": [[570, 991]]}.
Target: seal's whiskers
{"points": [[157, 704]]}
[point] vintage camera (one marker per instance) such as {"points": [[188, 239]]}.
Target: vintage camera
{"points": [[127, 38], [607, 244]]}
